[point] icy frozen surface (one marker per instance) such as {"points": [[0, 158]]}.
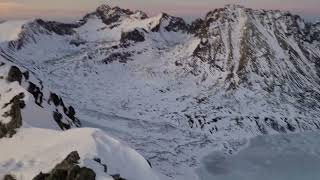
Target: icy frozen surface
{"points": [[278, 157]]}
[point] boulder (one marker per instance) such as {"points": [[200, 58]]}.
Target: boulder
{"points": [[14, 74]]}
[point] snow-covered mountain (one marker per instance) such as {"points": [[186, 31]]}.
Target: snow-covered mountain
{"points": [[175, 91]]}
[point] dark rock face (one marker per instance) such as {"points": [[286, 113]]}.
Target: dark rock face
{"points": [[17, 104], [41, 176], [121, 57], [68, 169], [177, 24], [14, 74], [55, 99], [9, 177], [26, 75], [117, 177], [196, 27], [84, 174], [149, 163], [56, 27], [172, 24], [36, 92], [111, 15], [135, 36], [58, 118], [69, 112]]}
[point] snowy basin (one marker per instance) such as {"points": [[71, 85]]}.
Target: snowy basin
{"points": [[272, 157]]}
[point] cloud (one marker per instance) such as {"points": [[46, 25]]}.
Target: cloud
{"points": [[25, 9]]}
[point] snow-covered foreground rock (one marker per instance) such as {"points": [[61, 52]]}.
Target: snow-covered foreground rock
{"points": [[31, 140], [176, 91], [34, 150]]}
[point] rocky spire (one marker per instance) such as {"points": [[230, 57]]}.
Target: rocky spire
{"points": [[110, 15]]}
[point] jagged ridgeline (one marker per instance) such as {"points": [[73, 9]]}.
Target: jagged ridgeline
{"points": [[237, 69], [24, 99]]}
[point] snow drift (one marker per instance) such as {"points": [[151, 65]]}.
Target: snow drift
{"points": [[44, 148]]}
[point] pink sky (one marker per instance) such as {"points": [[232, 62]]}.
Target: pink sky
{"points": [[59, 9]]}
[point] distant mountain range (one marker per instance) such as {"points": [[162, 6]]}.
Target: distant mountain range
{"points": [[174, 90]]}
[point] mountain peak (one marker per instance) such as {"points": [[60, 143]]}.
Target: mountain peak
{"points": [[105, 7], [110, 14]]}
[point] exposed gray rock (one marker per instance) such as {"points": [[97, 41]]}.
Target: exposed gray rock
{"points": [[68, 169], [56, 27], [9, 177], [135, 36], [117, 56], [58, 118], [171, 24], [117, 177], [36, 92], [111, 15], [14, 74], [68, 111], [16, 103]]}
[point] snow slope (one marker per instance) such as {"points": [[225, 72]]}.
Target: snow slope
{"points": [[31, 139], [44, 148], [10, 30]]}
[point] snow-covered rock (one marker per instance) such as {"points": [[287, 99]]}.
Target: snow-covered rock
{"points": [[43, 149], [25, 102]]}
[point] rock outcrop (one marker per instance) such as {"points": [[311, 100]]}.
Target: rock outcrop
{"points": [[11, 116], [68, 169], [14, 113], [137, 35]]}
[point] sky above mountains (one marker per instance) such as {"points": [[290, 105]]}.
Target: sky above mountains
{"points": [[73, 9]]}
